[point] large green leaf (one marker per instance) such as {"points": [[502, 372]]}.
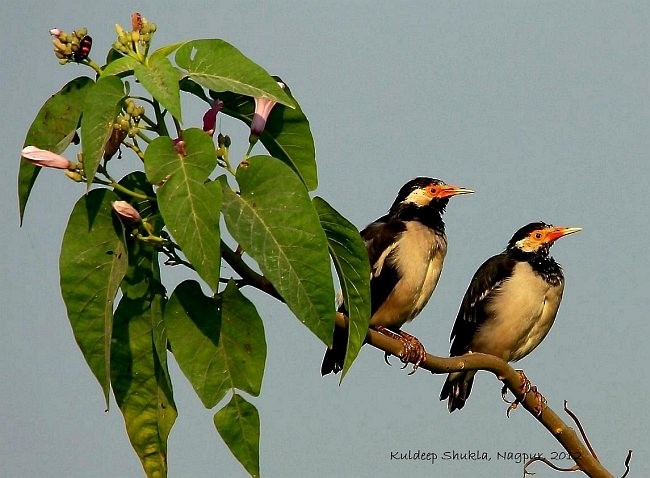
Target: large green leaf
{"points": [[219, 66], [52, 129], [190, 206], [101, 106], [238, 423], [92, 264], [287, 135], [160, 78], [350, 258], [139, 382], [276, 224], [218, 343]]}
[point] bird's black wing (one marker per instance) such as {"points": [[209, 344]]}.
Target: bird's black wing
{"points": [[489, 276], [381, 238]]}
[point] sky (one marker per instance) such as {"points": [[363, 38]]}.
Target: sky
{"points": [[541, 107]]}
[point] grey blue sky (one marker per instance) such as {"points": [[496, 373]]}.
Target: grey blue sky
{"points": [[543, 108]]}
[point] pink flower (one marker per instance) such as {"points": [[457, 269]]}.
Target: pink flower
{"points": [[263, 107], [55, 32], [210, 117], [126, 211], [44, 158]]}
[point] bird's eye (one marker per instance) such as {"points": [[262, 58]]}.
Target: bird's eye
{"points": [[538, 235], [432, 190]]}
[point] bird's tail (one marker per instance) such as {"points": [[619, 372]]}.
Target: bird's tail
{"points": [[335, 356], [457, 388]]}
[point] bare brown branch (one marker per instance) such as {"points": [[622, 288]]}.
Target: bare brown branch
{"points": [[549, 463]]}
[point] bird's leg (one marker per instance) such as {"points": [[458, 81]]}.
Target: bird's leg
{"points": [[413, 352], [526, 387]]}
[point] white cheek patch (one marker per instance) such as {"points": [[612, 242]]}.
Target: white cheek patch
{"points": [[419, 197], [527, 245]]}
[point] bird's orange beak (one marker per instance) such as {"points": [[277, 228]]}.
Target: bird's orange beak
{"points": [[449, 190], [556, 232]]}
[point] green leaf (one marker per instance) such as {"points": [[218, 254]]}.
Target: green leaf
{"points": [[140, 383], [119, 66], [160, 78], [218, 343], [166, 50], [238, 423], [100, 108], [275, 222], [92, 264], [350, 258], [52, 129], [190, 206], [219, 66], [287, 135]]}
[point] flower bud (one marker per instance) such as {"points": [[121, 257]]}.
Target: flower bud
{"points": [[263, 107], [74, 175], [55, 32], [136, 21], [210, 117], [44, 158], [126, 211]]}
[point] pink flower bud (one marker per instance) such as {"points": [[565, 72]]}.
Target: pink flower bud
{"points": [[44, 158], [55, 32], [126, 211], [210, 117], [263, 107]]}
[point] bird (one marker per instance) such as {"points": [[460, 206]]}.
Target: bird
{"points": [[510, 304], [406, 248]]}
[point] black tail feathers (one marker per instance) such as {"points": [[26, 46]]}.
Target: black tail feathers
{"points": [[456, 389]]}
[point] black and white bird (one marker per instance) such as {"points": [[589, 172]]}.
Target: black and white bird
{"points": [[406, 248], [510, 304]]}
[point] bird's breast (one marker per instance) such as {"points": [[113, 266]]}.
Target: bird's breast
{"points": [[519, 314], [418, 258]]}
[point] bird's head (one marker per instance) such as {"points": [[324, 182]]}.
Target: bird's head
{"points": [[538, 237], [425, 192]]}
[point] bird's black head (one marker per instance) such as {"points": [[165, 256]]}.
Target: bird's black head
{"points": [[424, 199], [536, 238]]}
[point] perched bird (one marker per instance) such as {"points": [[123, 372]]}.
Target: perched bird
{"points": [[509, 306], [406, 248]]}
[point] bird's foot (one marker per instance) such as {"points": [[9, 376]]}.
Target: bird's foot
{"points": [[526, 387], [413, 350]]}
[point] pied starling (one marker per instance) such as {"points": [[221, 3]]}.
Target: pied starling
{"points": [[509, 306], [406, 248]]}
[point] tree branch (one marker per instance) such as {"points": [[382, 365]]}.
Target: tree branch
{"points": [[248, 275], [564, 434]]}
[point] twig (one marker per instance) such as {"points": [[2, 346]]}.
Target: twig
{"points": [[549, 463], [627, 463], [582, 430], [249, 276]]}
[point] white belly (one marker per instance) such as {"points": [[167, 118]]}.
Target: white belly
{"points": [[527, 306], [418, 257]]}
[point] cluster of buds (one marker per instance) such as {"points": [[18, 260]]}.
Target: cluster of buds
{"points": [[138, 39], [128, 121], [73, 46]]}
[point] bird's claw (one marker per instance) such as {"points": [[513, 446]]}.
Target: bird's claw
{"points": [[413, 350], [526, 387]]}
